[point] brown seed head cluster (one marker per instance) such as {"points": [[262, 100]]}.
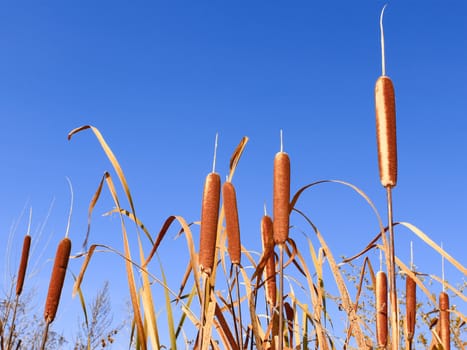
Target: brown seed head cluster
{"points": [[56, 281], [209, 220], [270, 268], [381, 309], [386, 131], [281, 197], [410, 306], [444, 320], [23, 264], [232, 225]]}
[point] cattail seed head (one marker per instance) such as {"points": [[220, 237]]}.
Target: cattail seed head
{"points": [[386, 131], [209, 218], [281, 197], [381, 308], [57, 279], [23, 264], [444, 321], [232, 225], [267, 240], [410, 306]]}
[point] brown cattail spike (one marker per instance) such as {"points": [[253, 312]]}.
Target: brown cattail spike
{"points": [[23, 264], [267, 240], [381, 309], [281, 197], [386, 131], [209, 218], [56, 280], [444, 321], [232, 225], [410, 307]]}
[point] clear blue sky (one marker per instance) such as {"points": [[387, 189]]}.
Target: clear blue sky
{"points": [[160, 78]]}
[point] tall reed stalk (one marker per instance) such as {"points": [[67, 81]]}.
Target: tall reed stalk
{"points": [[281, 202], [387, 159]]}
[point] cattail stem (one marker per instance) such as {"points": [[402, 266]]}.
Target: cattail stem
{"points": [[392, 275], [240, 322], [281, 297], [234, 273], [45, 335], [205, 282], [13, 321]]}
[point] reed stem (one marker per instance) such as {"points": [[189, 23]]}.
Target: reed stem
{"points": [[45, 335], [280, 306], [13, 320], [240, 322], [392, 275]]}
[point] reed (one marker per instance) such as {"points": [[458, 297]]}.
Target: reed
{"points": [[267, 241], [444, 321], [387, 160], [56, 285], [410, 309], [23, 264], [209, 221], [386, 131], [57, 279], [281, 197], [381, 309], [232, 225]]}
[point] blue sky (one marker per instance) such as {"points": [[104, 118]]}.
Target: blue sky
{"points": [[160, 78]]}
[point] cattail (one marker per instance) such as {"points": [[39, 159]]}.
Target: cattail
{"points": [[56, 281], [381, 308], [231, 222], [267, 240], [385, 107], [410, 307], [281, 197], [386, 131], [23, 264], [209, 218], [444, 322]]}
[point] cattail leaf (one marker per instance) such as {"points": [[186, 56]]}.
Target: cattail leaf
{"points": [[84, 266], [235, 158], [224, 329], [82, 302], [112, 158], [170, 318], [129, 269], [433, 245], [148, 303], [347, 304], [92, 204], [168, 222], [134, 219]]}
